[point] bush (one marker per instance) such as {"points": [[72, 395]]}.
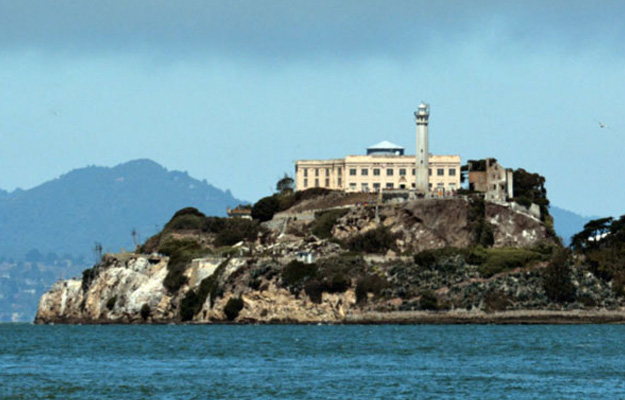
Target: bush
{"points": [[193, 301], [236, 230], [311, 193], [145, 311], [378, 240], [180, 253], [506, 259], [265, 208], [233, 308], [295, 273], [428, 300], [186, 219], [324, 222], [557, 278], [369, 284]]}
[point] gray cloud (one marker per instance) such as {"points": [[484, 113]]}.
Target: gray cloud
{"points": [[294, 29]]}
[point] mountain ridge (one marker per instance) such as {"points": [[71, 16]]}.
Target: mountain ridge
{"points": [[92, 204]]}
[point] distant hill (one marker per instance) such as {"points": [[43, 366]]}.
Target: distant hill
{"points": [[567, 223], [99, 204]]}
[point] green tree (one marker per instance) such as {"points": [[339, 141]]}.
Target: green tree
{"points": [[265, 208]]}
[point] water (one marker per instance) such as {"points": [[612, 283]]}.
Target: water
{"points": [[311, 362]]}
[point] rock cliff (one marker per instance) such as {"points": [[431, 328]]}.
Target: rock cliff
{"points": [[410, 261]]}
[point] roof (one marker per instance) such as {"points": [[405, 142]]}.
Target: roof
{"points": [[386, 145]]}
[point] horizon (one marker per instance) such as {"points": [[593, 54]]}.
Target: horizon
{"points": [[222, 91]]}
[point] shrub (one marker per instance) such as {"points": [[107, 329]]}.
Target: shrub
{"points": [[180, 253], [265, 208], [192, 303], [324, 222], [110, 304], [369, 284], [428, 300], [145, 311], [505, 259], [295, 273], [557, 278], [186, 218], [235, 230], [233, 308], [378, 240]]}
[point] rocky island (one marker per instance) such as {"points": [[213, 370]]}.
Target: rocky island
{"points": [[321, 256]]}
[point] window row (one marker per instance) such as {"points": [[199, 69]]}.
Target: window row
{"points": [[315, 171]]}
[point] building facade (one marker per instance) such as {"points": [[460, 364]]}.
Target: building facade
{"points": [[372, 173], [489, 177], [386, 167]]}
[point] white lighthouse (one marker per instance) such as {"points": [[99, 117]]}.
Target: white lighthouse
{"points": [[423, 151]]}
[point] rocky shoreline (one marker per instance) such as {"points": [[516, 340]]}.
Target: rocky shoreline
{"points": [[516, 317]]}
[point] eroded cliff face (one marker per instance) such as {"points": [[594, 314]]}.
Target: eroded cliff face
{"points": [[129, 289], [437, 223]]}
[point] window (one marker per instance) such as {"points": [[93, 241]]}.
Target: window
{"points": [[376, 187], [376, 172], [440, 172], [430, 186], [305, 182], [352, 171], [316, 171], [430, 171], [352, 186], [340, 182], [413, 172], [402, 172], [389, 172], [452, 172], [327, 182], [364, 172], [389, 185], [316, 182], [305, 171], [340, 170], [364, 187], [327, 171]]}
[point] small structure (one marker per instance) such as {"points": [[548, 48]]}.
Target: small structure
{"points": [[385, 148], [306, 257], [489, 177], [240, 211]]}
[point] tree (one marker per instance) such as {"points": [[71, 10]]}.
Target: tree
{"points": [[265, 208], [285, 185], [557, 278]]}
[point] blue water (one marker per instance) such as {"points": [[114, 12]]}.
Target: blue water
{"points": [[312, 362]]}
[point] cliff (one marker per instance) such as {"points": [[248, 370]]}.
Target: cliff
{"points": [[419, 261]]}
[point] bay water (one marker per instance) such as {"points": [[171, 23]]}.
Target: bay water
{"points": [[312, 362]]}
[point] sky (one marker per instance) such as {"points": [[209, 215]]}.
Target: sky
{"points": [[234, 92]]}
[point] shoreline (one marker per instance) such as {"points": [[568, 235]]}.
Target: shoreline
{"points": [[515, 317]]}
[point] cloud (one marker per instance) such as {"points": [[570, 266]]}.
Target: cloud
{"points": [[285, 29]]}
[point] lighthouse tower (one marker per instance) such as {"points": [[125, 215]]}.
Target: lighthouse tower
{"points": [[423, 151]]}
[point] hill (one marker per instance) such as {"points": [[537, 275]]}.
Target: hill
{"points": [[567, 223], [425, 260], [69, 214]]}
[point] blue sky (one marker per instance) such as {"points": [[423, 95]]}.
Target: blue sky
{"points": [[233, 92]]}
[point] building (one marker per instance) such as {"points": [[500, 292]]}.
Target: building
{"points": [[489, 177], [240, 211], [385, 167]]}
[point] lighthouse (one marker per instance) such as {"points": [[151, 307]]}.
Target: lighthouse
{"points": [[422, 174]]}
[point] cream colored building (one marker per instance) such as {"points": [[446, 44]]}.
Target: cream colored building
{"points": [[377, 170]]}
